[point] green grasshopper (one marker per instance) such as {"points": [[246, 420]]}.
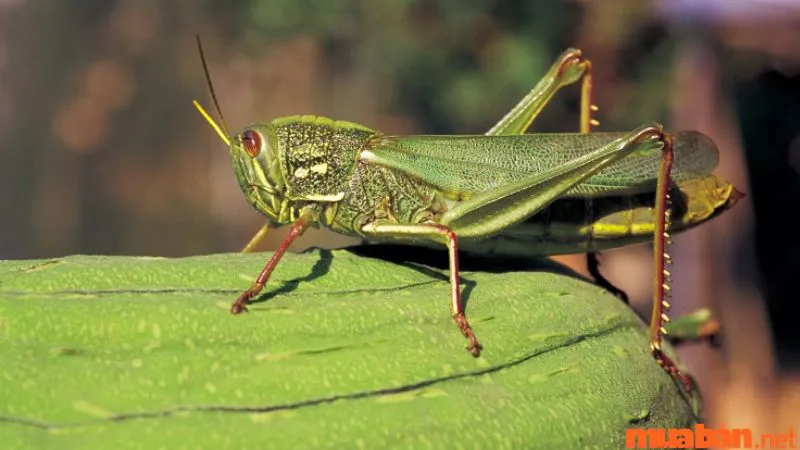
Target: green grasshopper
{"points": [[505, 192]]}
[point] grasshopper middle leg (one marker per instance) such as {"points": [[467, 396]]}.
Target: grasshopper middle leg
{"points": [[445, 235]]}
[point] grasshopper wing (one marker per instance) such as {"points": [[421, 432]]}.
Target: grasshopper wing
{"points": [[462, 166]]}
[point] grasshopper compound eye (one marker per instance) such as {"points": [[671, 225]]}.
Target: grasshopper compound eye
{"points": [[251, 142]]}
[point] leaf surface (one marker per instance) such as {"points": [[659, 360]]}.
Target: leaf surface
{"points": [[341, 351]]}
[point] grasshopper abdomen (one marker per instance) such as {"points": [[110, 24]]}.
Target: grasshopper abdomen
{"points": [[593, 224]]}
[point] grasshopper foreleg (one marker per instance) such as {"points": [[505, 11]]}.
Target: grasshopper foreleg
{"points": [[297, 229], [442, 234]]}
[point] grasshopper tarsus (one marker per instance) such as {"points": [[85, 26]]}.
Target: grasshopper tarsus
{"points": [[466, 329], [240, 305], [475, 349], [238, 308], [572, 59], [672, 369]]}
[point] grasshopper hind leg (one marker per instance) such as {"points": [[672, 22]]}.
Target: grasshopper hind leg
{"points": [[661, 288]]}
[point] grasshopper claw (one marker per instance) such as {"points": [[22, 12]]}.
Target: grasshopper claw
{"points": [[474, 346], [238, 308], [241, 303]]}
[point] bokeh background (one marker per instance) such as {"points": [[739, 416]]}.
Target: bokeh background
{"points": [[101, 151]]}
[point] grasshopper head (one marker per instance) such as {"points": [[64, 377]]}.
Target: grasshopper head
{"points": [[254, 154], [255, 160]]}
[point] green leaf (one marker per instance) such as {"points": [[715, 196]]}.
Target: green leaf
{"points": [[341, 351]]}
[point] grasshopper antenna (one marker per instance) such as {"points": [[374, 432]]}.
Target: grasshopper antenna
{"points": [[221, 131], [225, 136]]}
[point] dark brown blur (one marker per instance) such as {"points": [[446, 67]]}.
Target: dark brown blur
{"points": [[101, 151]]}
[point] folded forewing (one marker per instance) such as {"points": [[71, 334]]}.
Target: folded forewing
{"points": [[464, 165]]}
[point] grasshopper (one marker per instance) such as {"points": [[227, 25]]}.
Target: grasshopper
{"points": [[505, 192]]}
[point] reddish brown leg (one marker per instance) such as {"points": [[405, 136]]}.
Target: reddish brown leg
{"points": [[443, 234], [295, 231], [660, 257], [455, 292]]}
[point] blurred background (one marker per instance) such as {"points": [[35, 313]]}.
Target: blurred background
{"points": [[101, 151]]}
